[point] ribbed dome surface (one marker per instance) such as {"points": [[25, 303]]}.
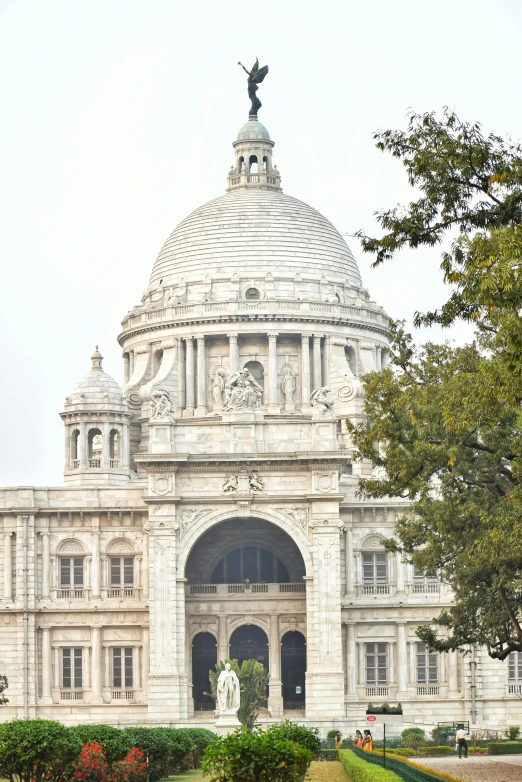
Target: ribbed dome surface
{"points": [[97, 386], [254, 231]]}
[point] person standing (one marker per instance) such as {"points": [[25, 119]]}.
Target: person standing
{"points": [[461, 738], [358, 738], [367, 741], [338, 740]]}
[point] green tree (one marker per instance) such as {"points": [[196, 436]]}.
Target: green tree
{"points": [[4, 684], [413, 738], [36, 750], [443, 423], [253, 680]]}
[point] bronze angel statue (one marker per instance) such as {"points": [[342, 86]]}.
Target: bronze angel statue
{"points": [[255, 77]]}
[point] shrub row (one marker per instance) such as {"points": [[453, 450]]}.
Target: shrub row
{"points": [[361, 771], [47, 750], [505, 748]]}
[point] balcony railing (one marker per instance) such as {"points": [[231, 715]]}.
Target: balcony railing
{"points": [[71, 695], [376, 589], [514, 689], [114, 464], [94, 464], [122, 695], [426, 589], [245, 589], [377, 692], [76, 464], [71, 593], [428, 689], [121, 593]]}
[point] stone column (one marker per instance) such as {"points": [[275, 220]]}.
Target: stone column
{"points": [[67, 448], [145, 659], [83, 445], [96, 677], [317, 361], [106, 668], [181, 378], [412, 678], [222, 641], [8, 567], [453, 675], [46, 565], [392, 668], [234, 353], [402, 661], [273, 407], [131, 364], [350, 563], [105, 454], [201, 409], [145, 565], [189, 378], [351, 661], [362, 666], [275, 697], [399, 568], [305, 372], [56, 678], [46, 665], [95, 567], [125, 368], [125, 450]]}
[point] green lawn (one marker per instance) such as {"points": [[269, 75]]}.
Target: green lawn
{"points": [[331, 771], [193, 776]]}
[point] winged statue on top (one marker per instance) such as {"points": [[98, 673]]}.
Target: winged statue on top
{"points": [[255, 77]]}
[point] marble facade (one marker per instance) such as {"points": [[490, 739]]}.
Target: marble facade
{"points": [[110, 582]]}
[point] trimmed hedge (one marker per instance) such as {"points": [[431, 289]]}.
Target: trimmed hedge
{"points": [[329, 754], [362, 771], [291, 731], [505, 748], [403, 752]]}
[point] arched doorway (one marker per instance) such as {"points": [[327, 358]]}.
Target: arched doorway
{"points": [[249, 642], [204, 658], [293, 670]]}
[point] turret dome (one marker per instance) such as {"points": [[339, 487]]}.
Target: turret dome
{"points": [[96, 386]]}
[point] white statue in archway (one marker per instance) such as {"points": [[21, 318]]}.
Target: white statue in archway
{"points": [[227, 694]]}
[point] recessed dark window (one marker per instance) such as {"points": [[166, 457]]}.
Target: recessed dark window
{"points": [[252, 293]]}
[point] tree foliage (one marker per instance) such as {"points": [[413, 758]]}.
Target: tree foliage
{"points": [[444, 424], [4, 684], [36, 750], [306, 737]]}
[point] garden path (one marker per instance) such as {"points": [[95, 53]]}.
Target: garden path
{"points": [[479, 769]]}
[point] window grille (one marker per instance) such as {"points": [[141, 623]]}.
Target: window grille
{"points": [[122, 673], [71, 572], [121, 571], [427, 665], [376, 663], [375, 567], [72, 669]]}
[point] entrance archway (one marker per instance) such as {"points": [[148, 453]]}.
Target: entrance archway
{"points": [[293, 670], [204, 658], [249, 642]]}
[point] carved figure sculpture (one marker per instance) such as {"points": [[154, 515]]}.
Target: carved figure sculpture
{"points": [[230, 484], [242, 391], [218, 385], [288, 384], [228, 690], [256, 483], [320, 402], [255, 77], [162, 406]]}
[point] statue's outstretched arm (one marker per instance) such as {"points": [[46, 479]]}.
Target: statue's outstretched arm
{"points": [[248, 72]]}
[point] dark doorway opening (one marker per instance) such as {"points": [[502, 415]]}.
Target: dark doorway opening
{"points": [[293, 670], [249, 642], [204, 658]]}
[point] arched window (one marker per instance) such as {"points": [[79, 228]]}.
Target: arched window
{"points": [[293, 669], [374, 567], [252, 293], [349, 352], [70, 569], [95, 445], [241, 165], [256, 370], [114, 448], [204, 659], [265, 164], [75, 449], [250, 563], [156, 362], [252, 164]]}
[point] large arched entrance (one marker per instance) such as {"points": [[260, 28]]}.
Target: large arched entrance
{"points": [[250, 642], [204, 658], [293, 670], [245, 581]]}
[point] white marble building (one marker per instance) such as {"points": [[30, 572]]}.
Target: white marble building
{"points": [[209, 512]]}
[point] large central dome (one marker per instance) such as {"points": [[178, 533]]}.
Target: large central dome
{"points": [[253, 231]]}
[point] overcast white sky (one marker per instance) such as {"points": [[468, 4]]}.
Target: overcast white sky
{"points": [[117, 121]]}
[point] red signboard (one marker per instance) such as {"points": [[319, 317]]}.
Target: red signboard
{"points": [[371, 718]]}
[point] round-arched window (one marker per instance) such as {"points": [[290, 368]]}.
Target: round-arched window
{"points": [[254, 563], [252, 293]]}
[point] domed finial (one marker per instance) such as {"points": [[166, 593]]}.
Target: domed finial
{"points": [[97, 359]]}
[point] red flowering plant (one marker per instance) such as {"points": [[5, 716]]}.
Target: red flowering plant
{"points": [[132, 769], [90, 766]]}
